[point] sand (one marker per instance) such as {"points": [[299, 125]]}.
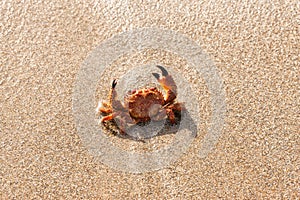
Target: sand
{"points": [[254, 48]]}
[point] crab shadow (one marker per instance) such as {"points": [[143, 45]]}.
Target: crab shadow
{"points": [[143, 131]]}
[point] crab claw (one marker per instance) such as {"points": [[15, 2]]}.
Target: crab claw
{"points": [[167, 82], [164, 72], [156, 75], [114, 83]]}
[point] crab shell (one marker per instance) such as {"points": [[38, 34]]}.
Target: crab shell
{"points": [[144, 103]]}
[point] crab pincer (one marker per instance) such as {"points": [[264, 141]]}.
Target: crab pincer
{"points": [[114, 83], [168, 83]]}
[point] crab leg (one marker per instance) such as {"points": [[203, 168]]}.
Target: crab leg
{"points": [[168, 83], [108, 118], [177, 106], [171, 116], [174, 108], [103, 108]]}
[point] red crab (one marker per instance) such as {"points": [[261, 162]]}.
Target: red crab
{"points": [[142, 105]]}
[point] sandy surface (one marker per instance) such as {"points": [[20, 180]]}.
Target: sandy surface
{"points": [[255, 47]]}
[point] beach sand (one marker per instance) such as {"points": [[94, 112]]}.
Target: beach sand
{"points": [[254, 47]]}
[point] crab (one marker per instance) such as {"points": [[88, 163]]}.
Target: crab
{"points": [[143, 105]]}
